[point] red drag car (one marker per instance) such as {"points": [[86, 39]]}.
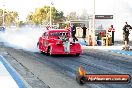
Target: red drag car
{"points": [[56, 41]]}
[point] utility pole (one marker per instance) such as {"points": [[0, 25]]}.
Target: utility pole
{"points": [[3, 20], [51, 13], [50, 16]]}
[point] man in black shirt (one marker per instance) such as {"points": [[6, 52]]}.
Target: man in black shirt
{"points": [[73, 32], [126, 33], [84, 32]]}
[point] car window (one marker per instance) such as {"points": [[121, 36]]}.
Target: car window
{"points": [[58, 33], [54, 34]]}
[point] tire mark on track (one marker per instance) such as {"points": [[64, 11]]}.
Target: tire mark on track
{"points": [[112, 59], [97, 85], [69, 65]]}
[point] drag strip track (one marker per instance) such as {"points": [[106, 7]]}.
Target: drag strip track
{"points": [[93, 61], [92, 65]]}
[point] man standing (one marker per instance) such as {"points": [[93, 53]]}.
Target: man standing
{"points": [[84, 32], [73, 32], [112, 30], [126, 33]]}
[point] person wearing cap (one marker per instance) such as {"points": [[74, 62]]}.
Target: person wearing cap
{"points": [[126, 33]]}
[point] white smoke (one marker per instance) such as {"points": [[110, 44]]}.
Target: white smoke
{"points": [[24, 38], [27, 38]]}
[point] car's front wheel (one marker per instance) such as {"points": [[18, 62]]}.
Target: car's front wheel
{"points": [[48, 51]]}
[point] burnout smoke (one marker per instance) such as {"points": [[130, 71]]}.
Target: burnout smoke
{"points": [[27, 38], [23, 38]]}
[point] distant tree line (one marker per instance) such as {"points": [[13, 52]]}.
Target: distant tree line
{"points": [[8, 17], [41, 16]]}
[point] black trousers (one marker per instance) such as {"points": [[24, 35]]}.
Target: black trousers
{"points": [[113, 37], [74, 37], [126, 38]]}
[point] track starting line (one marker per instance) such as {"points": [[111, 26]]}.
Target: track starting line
{"points": [[122, 52]]}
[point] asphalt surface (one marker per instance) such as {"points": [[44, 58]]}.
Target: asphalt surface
{"points": [[42, 71]]}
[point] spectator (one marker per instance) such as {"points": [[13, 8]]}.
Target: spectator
{"points": [[112, 29], [84, 32], [126, 33], [73, 32]]}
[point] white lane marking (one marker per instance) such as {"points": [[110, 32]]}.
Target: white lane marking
{"points": [[6, 80]]}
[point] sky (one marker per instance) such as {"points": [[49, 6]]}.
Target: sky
{"points": [[23, 7]]}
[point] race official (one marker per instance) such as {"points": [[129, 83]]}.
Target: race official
{"points": [[112, 30], [84, 32]]}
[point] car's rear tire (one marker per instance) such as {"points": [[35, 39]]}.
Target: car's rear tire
{"points": [[77, 54], [38, 47]]}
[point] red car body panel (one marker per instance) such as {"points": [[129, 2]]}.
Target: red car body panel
{"points": [[50, 43]]}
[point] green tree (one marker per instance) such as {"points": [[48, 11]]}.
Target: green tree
{"points": [[1, 13], [10, 17], [42, 15], [72, 16], [84, 15], [21, 23]]}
